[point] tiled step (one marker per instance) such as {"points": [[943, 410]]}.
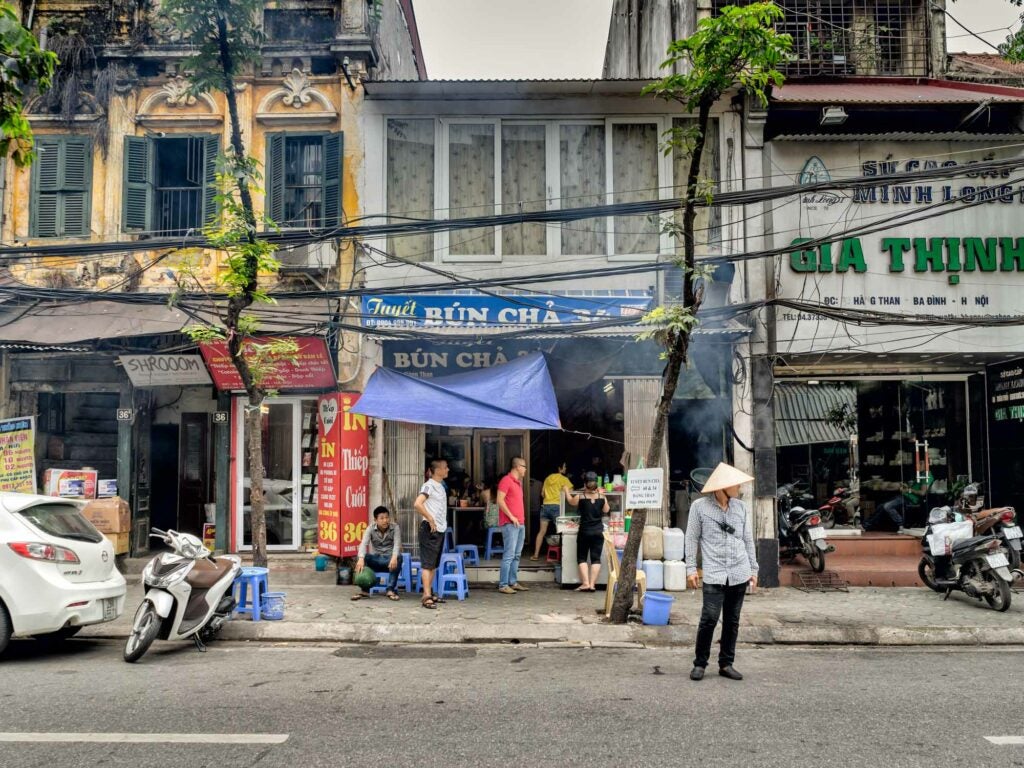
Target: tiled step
{"points": [[877, 545], [863, 570]]}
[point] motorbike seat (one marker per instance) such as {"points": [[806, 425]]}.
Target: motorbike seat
{"points": [[967, 544], [205, 573], [796, 514]]}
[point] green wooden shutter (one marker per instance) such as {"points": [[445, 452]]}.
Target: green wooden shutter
{"points": [[334, 146], [137, 210], [76, 186], [275, 177], [45, 202], [211, 148]]}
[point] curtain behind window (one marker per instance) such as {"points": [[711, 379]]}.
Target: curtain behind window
{"points": [[582, 171], [410, 179], [471, 186], [634, 179], [708, 224], [523, 188]]}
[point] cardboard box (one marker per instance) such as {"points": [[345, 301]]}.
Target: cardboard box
{"points": [[120, 542], [109, 515], [106, 488], [70, 483]]}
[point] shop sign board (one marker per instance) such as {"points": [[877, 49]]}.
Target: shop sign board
{"points": [[310, 370], [1005, 406], [343, 475], [645, 488], [946, 248], [165, 370], [18, 455], [479, 310]]}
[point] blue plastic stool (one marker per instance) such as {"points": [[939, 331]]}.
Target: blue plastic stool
{"points": [[449, 545], [454, 584], [470, 552], [254, 579], [451, 562], [404, 577], [416, 569], [491, 550]]}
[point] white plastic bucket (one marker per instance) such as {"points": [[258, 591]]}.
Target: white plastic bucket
{"points": [[674, 541], [675, 576], [655, 573]]}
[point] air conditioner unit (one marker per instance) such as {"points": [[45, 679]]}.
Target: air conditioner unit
{"points": [[314, 257]]}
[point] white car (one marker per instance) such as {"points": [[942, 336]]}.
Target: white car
{"points": [[57, 571]]}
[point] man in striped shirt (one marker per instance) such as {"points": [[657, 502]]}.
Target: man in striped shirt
{"points": [[719, 525]]}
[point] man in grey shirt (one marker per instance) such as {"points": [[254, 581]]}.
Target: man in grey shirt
{"points": [[719, 525], [381, 550]]}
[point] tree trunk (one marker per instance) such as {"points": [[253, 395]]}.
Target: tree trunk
{"points": [[238, 304], [677, 347]]}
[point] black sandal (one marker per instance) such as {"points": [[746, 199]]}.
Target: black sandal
{"points": [[360, 596], [393, 596], [428, 602]]}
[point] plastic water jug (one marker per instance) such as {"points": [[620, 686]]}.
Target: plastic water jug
{"points": [[674, 541], [654, 547], [655, 574], [675, 576]]}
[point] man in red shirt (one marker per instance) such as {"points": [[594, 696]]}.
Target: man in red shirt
{"points": [[512, 519]]}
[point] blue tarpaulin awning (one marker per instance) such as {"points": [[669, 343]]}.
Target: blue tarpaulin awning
{"points": [[515, 395]]}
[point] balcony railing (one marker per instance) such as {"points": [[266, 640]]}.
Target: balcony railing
{"points": [[178, 210]]}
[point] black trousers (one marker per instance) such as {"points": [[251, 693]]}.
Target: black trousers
{"points": [[725, 600]]}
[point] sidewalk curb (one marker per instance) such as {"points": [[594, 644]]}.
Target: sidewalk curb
{"points": [[604, 635]]}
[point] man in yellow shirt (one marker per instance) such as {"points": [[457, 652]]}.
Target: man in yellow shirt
{"points": [[554, 484]]}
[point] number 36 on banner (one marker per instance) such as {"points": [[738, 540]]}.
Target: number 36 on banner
{"points": [[328, 531], [354, 532]]}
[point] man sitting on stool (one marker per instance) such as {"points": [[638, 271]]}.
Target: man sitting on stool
{"points": [[381, 550]]}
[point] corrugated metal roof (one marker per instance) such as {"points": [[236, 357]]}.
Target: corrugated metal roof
{"points": [[801, 413], [904, 136], [989, 62], [902, 92]]}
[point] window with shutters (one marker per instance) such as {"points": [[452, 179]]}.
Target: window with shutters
{"points": [[303, 173], [61, 187], [170, 184]]}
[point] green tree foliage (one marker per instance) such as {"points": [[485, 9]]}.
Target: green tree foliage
{"points": [[736, 49], [226, 36], [22, 65]]}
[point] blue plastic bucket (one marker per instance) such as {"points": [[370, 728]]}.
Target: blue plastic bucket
{"points": [[272, 606], [320, 562], [657, 607]]}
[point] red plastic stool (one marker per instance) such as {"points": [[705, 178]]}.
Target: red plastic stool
{"points": [[554, 555]]}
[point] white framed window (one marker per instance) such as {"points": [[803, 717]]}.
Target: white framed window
{"points": [[481, 166]]}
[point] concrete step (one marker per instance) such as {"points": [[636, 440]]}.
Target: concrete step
{"points": [[863, 570], [877, 545]]}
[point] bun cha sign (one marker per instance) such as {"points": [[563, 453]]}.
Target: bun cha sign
{"points": [[478, 310]]}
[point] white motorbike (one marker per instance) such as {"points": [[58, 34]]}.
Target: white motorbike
{"points": [[188, 594]]}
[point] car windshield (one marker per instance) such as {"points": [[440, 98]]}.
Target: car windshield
{"points": [[62, 520]]}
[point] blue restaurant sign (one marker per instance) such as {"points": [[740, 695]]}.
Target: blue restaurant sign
{"points": [[479, 310]]}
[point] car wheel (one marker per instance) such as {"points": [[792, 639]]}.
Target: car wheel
{"points": [[64, 633], [6, 628]]}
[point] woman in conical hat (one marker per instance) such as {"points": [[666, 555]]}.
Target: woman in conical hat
{"points": [[725, 476], [719, 528]]}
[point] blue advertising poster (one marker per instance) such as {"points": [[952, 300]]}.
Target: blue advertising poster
{"points": [[478, 310]]}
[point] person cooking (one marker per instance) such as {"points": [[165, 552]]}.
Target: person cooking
{"points": [[554, 484], [592, 506]]}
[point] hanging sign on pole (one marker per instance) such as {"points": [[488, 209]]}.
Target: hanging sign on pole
{"points": [[645, 488]]}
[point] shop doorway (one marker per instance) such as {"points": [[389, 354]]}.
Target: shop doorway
{"points": [[164, 447], [290, 464], [195, 471]]}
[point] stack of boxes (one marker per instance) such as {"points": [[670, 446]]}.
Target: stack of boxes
{"points": [[113, 518]]}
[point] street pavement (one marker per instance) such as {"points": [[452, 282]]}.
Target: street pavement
{"points": [[499, 705], [863, 616]]}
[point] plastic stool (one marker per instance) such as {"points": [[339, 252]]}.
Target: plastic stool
{"points": [[471, 553], [254, 579], [554, 554], [404, 577], [416, 570], [451, 562], [491, 550], [449, 544], [459, 586]]}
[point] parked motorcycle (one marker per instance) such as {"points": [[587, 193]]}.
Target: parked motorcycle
{"points": [[977, 566], [1009, 534], [843, 507], [188, 594], [792, 495], [800, 533]]}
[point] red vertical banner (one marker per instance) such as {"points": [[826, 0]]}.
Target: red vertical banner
{"points": [[344, 475]]}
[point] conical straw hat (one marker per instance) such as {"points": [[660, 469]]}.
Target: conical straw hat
{"points": [[724, 477]]}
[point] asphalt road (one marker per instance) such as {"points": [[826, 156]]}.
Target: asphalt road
{"points": [[318, 705]]}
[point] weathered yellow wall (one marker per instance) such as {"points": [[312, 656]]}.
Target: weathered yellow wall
{"points": [[330, 106]]}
